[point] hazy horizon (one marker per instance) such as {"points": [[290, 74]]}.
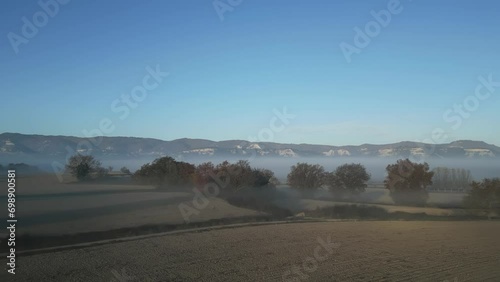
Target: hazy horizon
{"points": [[222, 140]]}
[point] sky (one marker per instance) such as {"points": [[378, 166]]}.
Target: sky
{"points": [[322, 72]]}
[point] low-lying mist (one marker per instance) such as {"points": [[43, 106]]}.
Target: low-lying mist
{"points": [[479, 168]]}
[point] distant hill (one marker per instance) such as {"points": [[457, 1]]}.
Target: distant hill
{"points": [[16, 145]]}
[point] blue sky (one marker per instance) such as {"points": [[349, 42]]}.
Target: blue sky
{"points": [[227, 76]]}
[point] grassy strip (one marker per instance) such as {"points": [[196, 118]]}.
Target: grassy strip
{"points": [[370, 212]]}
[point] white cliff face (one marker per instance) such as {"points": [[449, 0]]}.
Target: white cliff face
{"points": [[7, 146], [339, 152], [263, 153], [478, 153], [330, 153], [386, 152], [254, 146], [204, 151], [342, 152], [417, 151], [365, 151], [286, 153]]}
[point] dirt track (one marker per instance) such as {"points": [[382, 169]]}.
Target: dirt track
{"points": [[361, 251]]}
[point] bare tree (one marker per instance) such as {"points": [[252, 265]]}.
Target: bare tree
{"points": [[446, 179], [83, 166]]}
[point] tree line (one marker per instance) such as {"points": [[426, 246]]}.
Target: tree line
{"points": [[407, 182], [345, 181], [166, 172], [451, 179]]}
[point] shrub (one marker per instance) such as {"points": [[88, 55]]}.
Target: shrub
{"points": [[484, 196]]}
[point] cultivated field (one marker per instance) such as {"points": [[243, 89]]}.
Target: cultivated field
{"points": [[359, 251], [47, 206]]}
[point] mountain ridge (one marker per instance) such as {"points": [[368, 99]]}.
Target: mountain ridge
{"points": [[60, 145]]}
